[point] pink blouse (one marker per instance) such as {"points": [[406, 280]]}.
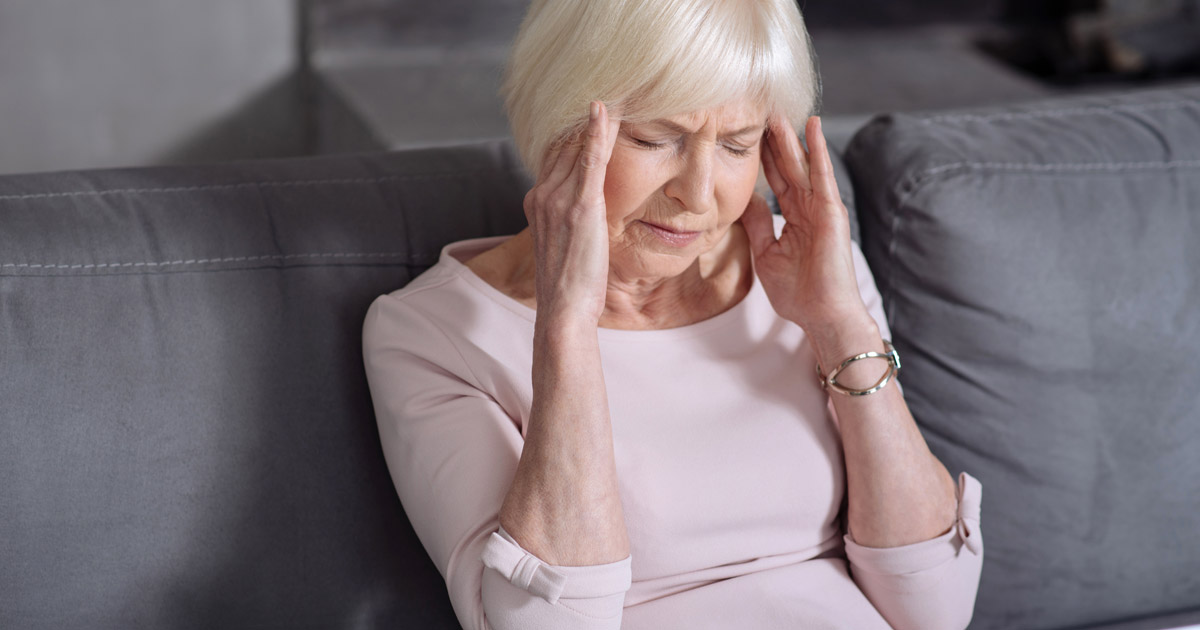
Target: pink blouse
{"points": [[728, 456]]}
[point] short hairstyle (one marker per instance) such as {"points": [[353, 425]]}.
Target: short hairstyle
{"points": [[651, 59]]}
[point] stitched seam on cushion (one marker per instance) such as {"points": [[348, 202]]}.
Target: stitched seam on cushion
{"points": [[1054, 113], [1035, 167], [924, 177], [274, 184], [205, 261], [895, 237]]}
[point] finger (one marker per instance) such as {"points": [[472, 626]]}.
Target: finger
{"points": [[613, 130], [820, 165], [797, 152], [592, 162], [555, 167], [774, 177], [760, 227], [789, 155], [782, 187], [549, 159], [568, 153]]}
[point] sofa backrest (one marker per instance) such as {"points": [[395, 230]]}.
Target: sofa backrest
{"points": [[186, 434], [1040, 268]]}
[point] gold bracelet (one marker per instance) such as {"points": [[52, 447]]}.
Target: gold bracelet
{"points": [[892, 357]]}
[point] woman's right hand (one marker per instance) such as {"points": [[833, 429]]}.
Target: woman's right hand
{"points": [[568, 221]]}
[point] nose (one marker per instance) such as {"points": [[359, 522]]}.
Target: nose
{"points": [[693, 185]]}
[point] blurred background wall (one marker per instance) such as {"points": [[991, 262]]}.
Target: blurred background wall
{"points": [[122, 82], [102, 83]]}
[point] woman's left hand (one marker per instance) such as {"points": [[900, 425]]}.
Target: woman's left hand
{"points": [[808, 271]]}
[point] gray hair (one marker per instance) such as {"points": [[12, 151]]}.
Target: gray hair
{"points": [[652, 59]]}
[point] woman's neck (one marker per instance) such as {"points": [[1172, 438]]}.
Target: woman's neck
{"points": [[713, 284]]}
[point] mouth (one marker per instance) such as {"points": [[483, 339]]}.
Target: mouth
{"points": [[671, 236]]}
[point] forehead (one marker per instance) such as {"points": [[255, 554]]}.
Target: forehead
{"points": [[734, 114]]}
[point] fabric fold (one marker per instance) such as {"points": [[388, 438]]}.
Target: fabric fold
{"points": [[924, 555], [970, 493], [550, 582]]}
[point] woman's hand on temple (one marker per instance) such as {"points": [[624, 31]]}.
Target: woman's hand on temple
{"points": [[568, 221], [808, 271]]}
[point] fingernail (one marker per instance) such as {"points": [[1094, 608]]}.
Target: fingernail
{"points": [[595, 110]]}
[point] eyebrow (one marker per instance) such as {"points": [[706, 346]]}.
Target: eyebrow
{"points": [[679, 129]]}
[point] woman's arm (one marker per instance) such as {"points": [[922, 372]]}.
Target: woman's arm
{"points": [[899, 492], [452, 452], [912, 540], [929, 583], [564, 505], [528, 534]]}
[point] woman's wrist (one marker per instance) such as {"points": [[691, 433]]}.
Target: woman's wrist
{"points": [[563, 330], [835, 343]]}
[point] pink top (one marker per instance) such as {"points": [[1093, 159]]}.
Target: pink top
{"points": [[728, 457]]}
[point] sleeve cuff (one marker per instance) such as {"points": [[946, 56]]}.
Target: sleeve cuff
{"points": [[929, 553], [552, 582]]}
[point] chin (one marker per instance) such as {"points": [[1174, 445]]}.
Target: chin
{"points": [[653, 263]]}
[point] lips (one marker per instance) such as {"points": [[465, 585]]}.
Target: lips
{"points": [[672, 236]]}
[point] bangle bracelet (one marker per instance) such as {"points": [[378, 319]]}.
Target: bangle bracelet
{"points": [[892, 357]]}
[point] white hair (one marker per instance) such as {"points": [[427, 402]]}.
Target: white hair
{"points": [[651, 59]]}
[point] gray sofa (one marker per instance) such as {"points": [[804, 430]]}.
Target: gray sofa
{"points": [[186, 434]]}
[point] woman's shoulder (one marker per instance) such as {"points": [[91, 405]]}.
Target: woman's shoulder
{"points": [[448, 300], [409, 313], [420, 298], [507, 267], [418, 329], [448, 276]]}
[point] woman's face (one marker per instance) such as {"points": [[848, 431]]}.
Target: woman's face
{"points": [[675, 185]]}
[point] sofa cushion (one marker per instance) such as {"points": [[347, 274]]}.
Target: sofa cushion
{"points": [[186, 434], [1040, 269]]}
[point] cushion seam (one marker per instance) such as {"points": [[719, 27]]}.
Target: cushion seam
{"points": [[1052, 113], [1053, 167], [266, 183], [922, 178], [411, 259]]}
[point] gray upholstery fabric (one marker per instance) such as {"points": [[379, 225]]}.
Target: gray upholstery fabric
{"points": [[186, 434], [1040, 270], [846, 191]]}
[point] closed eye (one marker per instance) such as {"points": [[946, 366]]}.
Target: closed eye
{"points": [[734, 150], [647, 144]]}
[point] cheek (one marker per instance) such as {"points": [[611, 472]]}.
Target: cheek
{"points": [[616, 199], [628, 183], [739, 184]]}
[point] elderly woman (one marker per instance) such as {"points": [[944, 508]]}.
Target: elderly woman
{"points": [[612, 419]]}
